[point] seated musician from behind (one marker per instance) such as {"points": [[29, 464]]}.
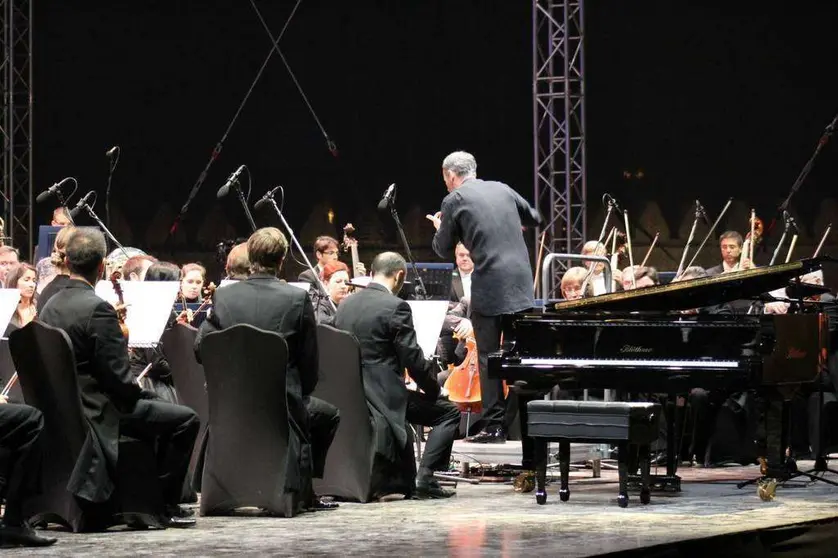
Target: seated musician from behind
{"points": [[62, 274], [114, 405], [264, 301], [238, 265], [335, 276], [572, 281], [135, 267], [597, 280], [730, 244], [22, 277], [192, 278], [383, 325]]}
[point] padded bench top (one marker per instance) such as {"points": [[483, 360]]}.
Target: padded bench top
{"points": [[597, 407]]}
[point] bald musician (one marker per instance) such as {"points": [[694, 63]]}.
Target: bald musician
{"points": [[383, 324]]}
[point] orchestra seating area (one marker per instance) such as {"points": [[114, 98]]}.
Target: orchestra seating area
{"points": [[711, 517]]}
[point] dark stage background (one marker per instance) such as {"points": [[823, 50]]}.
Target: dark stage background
{"points": [[708, 101]]}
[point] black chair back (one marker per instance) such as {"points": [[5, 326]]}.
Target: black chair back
{"points": [[349, 463], [7, 371], [253, 454], [43, 357]]}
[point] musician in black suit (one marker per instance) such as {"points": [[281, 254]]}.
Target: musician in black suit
{"points": [[113, 402], [20, 466], [461, 278], [383, 325], [264, 301], [487, 217]]}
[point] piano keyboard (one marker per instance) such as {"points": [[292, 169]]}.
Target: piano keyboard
{"points": [[628, 363]]}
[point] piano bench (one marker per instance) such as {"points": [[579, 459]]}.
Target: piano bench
{"points": [[629, 425]]}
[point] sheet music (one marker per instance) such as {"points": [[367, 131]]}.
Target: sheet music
{"points": [[9, 299], [149, 306], [428, 317], [301, 285]]}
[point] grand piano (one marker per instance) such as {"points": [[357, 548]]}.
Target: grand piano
{"points": [[666, 339]]}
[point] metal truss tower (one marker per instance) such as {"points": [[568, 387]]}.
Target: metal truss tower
{"points": [[560, 189], [16, 126]]}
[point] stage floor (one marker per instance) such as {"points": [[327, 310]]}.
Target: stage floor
{"points": [[710, 517]]}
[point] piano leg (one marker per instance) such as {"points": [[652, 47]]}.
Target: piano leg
{"points": [[645, 469], [622, 468], [671, 443], [541, 470], [527, 443], [564, 466]]}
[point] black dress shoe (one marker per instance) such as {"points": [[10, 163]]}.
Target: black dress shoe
{"points": [[431, 490], [497, 436], [177, 522], [22, 535], [321, 504], [174, 510]]}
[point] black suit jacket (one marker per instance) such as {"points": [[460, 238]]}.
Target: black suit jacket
{"points": [[487, 217], [265, 302], [57, 283], [104, 375], [715, 270], [457, 292], [383, 325]]}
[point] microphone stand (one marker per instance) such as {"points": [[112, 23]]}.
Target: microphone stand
{"points": [[63, 203], [105, 229], [610, 205], [296, 242], [786, 227], [112, 166], [243, 201], [689, 238], [827, 134], [419, 292], [710, 232]]}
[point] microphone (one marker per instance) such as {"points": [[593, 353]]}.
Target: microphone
{"points": [[790, 220], [234, 178], [82, 202], [699, 209], [112, 151], [388, 198], [608, 199], [52, 190], [266, 198]]}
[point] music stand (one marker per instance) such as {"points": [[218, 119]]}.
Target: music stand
{"points": [[9, 299], [46, 241], [436, 277], [149, 307]]}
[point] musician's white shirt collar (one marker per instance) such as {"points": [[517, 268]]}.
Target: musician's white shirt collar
{"points": [[466, 279], [726, 267]]}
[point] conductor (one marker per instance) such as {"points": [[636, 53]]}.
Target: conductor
{"points": [[488, 218]]}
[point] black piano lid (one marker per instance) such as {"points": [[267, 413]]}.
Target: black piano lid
{"points": [[696, 293]]}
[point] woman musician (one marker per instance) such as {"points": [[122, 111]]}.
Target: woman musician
{"points": [[335, 277], [22, 277]]}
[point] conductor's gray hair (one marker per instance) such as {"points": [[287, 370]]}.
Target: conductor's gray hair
{"points": [[460, 163]]}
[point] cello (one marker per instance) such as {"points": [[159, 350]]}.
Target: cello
{"points": [[121, 309], [463, 383]]}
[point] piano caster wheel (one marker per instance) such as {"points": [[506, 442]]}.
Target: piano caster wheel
{"points": [[623, 500], [645, 497], [564, 494], [541, 498]]}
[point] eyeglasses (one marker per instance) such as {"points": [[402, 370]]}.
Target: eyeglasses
{"points": [[331, 252]]}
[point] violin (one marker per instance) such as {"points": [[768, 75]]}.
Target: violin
{"points": [[209, 293], [121, 309], [350, 244]]}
